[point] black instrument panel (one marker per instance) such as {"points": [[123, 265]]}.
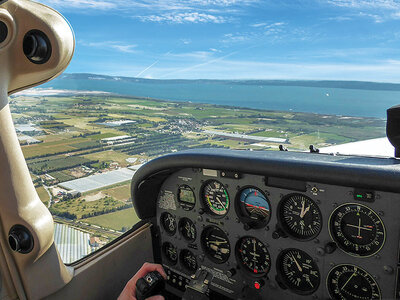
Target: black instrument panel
{"points": [[301, 239]]}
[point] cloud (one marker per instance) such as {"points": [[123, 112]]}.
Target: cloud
{"points": [[149, 5], [92, 4], [112, 45], [236, 37], [186, 17], [377, 10], [366, 4]]}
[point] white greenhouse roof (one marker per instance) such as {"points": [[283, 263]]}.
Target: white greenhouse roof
{"points": [[72, 244], [98, 181]]}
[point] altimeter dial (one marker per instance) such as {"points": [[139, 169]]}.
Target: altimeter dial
{"points": [[300, 217]]}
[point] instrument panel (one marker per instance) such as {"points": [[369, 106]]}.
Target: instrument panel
{"points": [[275, 237]]}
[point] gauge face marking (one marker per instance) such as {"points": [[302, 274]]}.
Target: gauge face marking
{"points": [[352, 283], [187, 229], [170, 252], [298, 271], [357, 229], [253, 255], [300, 217], [168, 222], [215, 244], [186, 197], [255, 206], [188, 260], [215, 198]]}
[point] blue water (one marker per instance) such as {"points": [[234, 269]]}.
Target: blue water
{"points": [[337, 101]]}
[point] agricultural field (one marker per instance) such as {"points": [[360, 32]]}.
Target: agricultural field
{"points": [[123, 219]]}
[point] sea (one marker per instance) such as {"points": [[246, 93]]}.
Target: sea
{"points": [[367, 101]]}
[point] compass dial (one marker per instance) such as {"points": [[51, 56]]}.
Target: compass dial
{"points": [[187, 229], [253, 255], [349, 282], [300, 217], [215, 198], [168, 222], [357, 229], [298, 272]]}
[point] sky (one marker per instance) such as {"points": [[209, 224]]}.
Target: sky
{"points": [[236, 39]]}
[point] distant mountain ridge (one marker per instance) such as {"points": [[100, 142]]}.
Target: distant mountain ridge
{"points": [[359, 85]]}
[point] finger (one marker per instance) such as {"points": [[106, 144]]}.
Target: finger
{"points": [[158, 297]]}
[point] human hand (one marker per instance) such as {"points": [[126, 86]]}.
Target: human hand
{"points": [[129, 292]]}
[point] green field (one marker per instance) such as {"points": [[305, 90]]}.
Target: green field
{"points": [[58, 164], [80, 207], [116, 220], [43, 195], [122, 193], [61, 176]]}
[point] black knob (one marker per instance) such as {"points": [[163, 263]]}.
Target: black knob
{"points": [[3, 32], [37, 47], [231, 272], [278, 233], [330, 247], [20, 239]]}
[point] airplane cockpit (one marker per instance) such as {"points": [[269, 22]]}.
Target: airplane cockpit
{"points": [[222, 223]]}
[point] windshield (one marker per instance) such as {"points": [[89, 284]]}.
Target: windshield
{"points": [[154, 77]]}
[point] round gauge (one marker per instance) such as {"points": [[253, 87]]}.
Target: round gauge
{"points": [[357, 229], [188, 260], [300, 217], [170, 252], [352, 283], [187, 229], [186, 197], [215, 198], [253, 255], [254, 208], [298, 271], [215, 244], [168, 222]]}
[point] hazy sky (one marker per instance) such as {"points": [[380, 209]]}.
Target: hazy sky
{"points": [[236, 39]]}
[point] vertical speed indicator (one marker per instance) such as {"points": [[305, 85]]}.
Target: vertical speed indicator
{"points": [[215, 198]]}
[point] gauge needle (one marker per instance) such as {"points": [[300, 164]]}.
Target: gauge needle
{"points": [[217, 242], [220, 202], [348, 280], [297, 264], [302, 209], [359, 227]]}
